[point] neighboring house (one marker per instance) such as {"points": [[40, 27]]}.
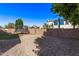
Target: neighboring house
{"points": [[63, 24], [41, 27], [35, 27]]}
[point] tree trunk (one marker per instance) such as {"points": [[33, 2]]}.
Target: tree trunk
{"points": [[58, 27], [73, 26], [58, 23]]}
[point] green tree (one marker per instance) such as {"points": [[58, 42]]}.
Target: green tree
{"points": [[45, 26], [10, 25], [1, 27], [19, 24], [57, 8], [74, 20], [69, 11]]}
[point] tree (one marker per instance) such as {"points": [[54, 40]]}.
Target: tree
{"points": [[19, 24], [1, 27], [57, 8], [69, 11], [10, 25], [45, 26]]}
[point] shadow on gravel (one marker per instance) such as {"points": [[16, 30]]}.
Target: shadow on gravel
{"points": [[55, 46], [7, 44]]}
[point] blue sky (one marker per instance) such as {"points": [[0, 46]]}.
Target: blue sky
{"points": [[30, 13]]}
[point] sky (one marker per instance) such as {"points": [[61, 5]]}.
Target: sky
{"points": [[30, 13]]}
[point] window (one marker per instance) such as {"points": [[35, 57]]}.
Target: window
{"points": [[61, 22]]}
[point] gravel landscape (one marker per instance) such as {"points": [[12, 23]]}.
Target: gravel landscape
{"points": [[25, 48], [39, 29], [34, 45], [52, 46]]}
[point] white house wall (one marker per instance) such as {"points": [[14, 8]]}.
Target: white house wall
{"points": [[68, 26], [63, 26]]}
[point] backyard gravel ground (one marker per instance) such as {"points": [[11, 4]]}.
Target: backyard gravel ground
{"points": [[25, 48], [49, 46]]}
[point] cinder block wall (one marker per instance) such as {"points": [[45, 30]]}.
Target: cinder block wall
{"points": [[2, 32], [63, 33], [31, 31], [36, 31], [11, 30]]}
